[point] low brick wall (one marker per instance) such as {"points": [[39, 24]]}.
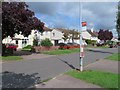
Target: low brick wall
{"points": [[43, 48]]}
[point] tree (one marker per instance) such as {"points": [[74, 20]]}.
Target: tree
{"points": [[65, 36], [118, 21], [105, 35], [17, 17]]}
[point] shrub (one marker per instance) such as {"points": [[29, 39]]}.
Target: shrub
{"points": [[6, 51], [46, 42]]}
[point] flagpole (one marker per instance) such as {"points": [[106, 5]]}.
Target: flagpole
{"points": [[81, 42]]}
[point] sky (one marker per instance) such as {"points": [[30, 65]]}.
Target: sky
{"points": [[98, 15]]}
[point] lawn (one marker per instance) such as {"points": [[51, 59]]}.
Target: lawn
{"points": [[114, 57], [64, 51], [10, 58], [103, 79]]}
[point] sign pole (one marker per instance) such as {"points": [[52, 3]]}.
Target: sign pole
{"points": [[81, 42]]}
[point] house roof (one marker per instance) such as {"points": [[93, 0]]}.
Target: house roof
{"points": [[67, 31], [94, 34], [47, 29]]}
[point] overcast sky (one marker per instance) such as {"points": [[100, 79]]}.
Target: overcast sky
{"points": [[98, 15]]}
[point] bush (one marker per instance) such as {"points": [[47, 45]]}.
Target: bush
{"points": [[6, 51], [90, 41], [46, 42]]}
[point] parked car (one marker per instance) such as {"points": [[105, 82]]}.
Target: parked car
{"points": [[63, 46], [11, 46], [112, 45], [118, 43]]}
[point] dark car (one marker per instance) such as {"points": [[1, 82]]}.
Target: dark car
{"points": [[112, 45], [63, 46], [11, 46]]}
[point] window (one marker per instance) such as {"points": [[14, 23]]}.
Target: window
{"points": [[16, 41], [53, 34], [25, 41]]}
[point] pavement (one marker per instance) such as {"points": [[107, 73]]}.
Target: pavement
{"points": [[104, 65], [65, 81], [36, 56]]}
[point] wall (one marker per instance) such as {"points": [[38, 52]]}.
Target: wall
{"points": [[42, 48]]}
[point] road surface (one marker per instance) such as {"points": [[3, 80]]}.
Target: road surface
{"points": [[19, 73]]}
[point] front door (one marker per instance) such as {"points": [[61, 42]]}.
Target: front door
{"points": [[56, 42]]}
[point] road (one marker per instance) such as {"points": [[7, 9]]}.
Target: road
{"points": [[24, 71]]}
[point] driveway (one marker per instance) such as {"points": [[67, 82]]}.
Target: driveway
{"points": [[48, 67]]}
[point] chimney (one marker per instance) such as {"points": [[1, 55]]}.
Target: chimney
{"points": [[92, 30]]}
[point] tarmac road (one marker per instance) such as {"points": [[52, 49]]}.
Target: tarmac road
{"points": [[48, 67]]}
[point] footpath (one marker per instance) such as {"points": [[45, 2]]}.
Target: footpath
{"points": [[65, 81]]}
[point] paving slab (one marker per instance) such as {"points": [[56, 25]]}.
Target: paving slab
{"points": [[65, 81], [104, 65]]}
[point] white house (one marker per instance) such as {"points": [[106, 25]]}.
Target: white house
{"points": [[18, 40], [55, 35], [90, 34]]}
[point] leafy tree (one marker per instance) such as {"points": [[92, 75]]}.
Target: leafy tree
{"points": [[105, 35], [46, 42], [17, 17], [35, 42], [118, 21], [65, 36]]}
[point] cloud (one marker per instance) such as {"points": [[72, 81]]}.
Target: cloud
{"points": [[103, 15], [66, 14], [48, 8]]}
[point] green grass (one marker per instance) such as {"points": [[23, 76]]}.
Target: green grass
{"points": [[10, 58], [114, 57], [57, 52], [103, 79]]}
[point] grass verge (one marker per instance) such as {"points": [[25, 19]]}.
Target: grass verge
{"points": [[103, 79], [10, 58], [65, 51], [115, 57]]}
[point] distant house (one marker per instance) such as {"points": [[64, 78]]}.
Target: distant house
{"points": [[90, 34], [70, 35], [18, 40]]}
